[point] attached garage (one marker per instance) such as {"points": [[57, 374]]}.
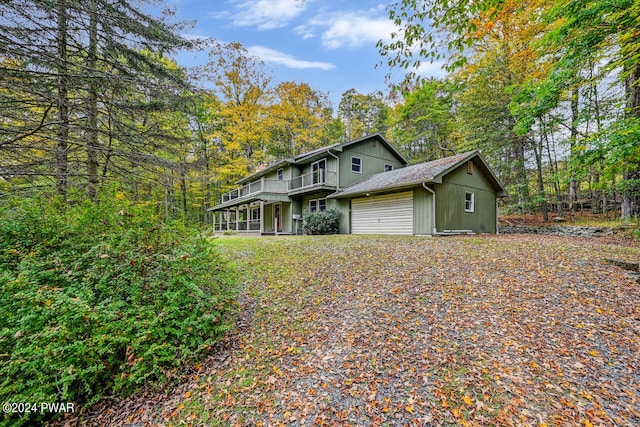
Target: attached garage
{"points": [[386, 214]]}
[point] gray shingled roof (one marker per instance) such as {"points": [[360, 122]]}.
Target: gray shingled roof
{"points": [[406, 176]]}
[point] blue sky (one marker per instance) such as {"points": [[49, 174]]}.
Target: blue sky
{"points": [[329, 44]]}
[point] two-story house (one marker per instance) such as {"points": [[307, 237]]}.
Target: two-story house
{"points": [[369, 182]]}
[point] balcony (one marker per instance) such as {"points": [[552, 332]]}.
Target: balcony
{"points": [[321, 179], [308, 182], [254, 188]]}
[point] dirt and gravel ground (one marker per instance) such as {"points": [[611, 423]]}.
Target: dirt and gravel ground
{"points": [[397, 331]]}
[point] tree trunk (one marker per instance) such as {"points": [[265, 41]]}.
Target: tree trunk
{"points": [[537, 149], [92, 104], [632, 175], [521, 173], [183, 190], [573, 184], [62, 143]]}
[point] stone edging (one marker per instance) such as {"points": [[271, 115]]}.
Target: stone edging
{"points": [[558, 230]]}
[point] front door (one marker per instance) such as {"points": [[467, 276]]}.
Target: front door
{"points": [[277, 217]]}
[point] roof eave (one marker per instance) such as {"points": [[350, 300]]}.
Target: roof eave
{"points": [[485, 167], [383, 140], [400, 186], [264, 171]]}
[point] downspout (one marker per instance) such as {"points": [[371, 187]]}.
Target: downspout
{"points": [[497, 229], [338, 182], [337, 169], [433, 206]]}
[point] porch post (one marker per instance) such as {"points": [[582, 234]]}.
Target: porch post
{"points": [[248, 218], [213, 220], [237, 219], [261, 216], [228, 218]]}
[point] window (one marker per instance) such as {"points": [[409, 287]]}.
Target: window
{"points": [[280, 174], [317, 205], [469, 202], [356, 164], [470, 167], [388, 168], [317, 169], [255, 214]]}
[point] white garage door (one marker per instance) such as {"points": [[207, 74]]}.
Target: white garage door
{"points": [[388, 214]]}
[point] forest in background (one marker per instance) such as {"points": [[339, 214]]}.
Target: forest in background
{"points": [[111, 153], [548, 91]]}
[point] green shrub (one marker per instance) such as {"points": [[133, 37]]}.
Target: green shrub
{"points": [[323, 222], [101, 299]]}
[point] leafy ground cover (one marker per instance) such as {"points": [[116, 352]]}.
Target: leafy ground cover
{"points": [[376, 331], [97, 299]]}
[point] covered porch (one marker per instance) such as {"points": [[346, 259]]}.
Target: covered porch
{"points": [[258, 217]]}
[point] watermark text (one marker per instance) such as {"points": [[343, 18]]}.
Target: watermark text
{"points": [[41, 407]]}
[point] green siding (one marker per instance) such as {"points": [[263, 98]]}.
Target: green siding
{"points": [[287, 218], [422, 211], [296, 206], [331, 165], [268, 218], [305, 200], [450, 202], [343, 206], [374, 156], [286, 174]]}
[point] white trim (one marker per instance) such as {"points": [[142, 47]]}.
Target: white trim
{"points": [[384, 214], [469, 205], [317, 201], [433, 206], [255, 209], [261, 216], [337, 169], [277, 221]]}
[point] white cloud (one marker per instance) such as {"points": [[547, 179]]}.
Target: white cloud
{"points": [[350, 29], [431, 69], [276, 57], [265, 14], [355, 31]]}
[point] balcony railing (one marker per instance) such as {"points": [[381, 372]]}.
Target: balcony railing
{"points": [[297, 184], [255, 187], [253, 225], [313, 179]]}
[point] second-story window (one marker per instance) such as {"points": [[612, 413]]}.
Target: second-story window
{"points": [[317, 171], [280, 174], [356, 164]]}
